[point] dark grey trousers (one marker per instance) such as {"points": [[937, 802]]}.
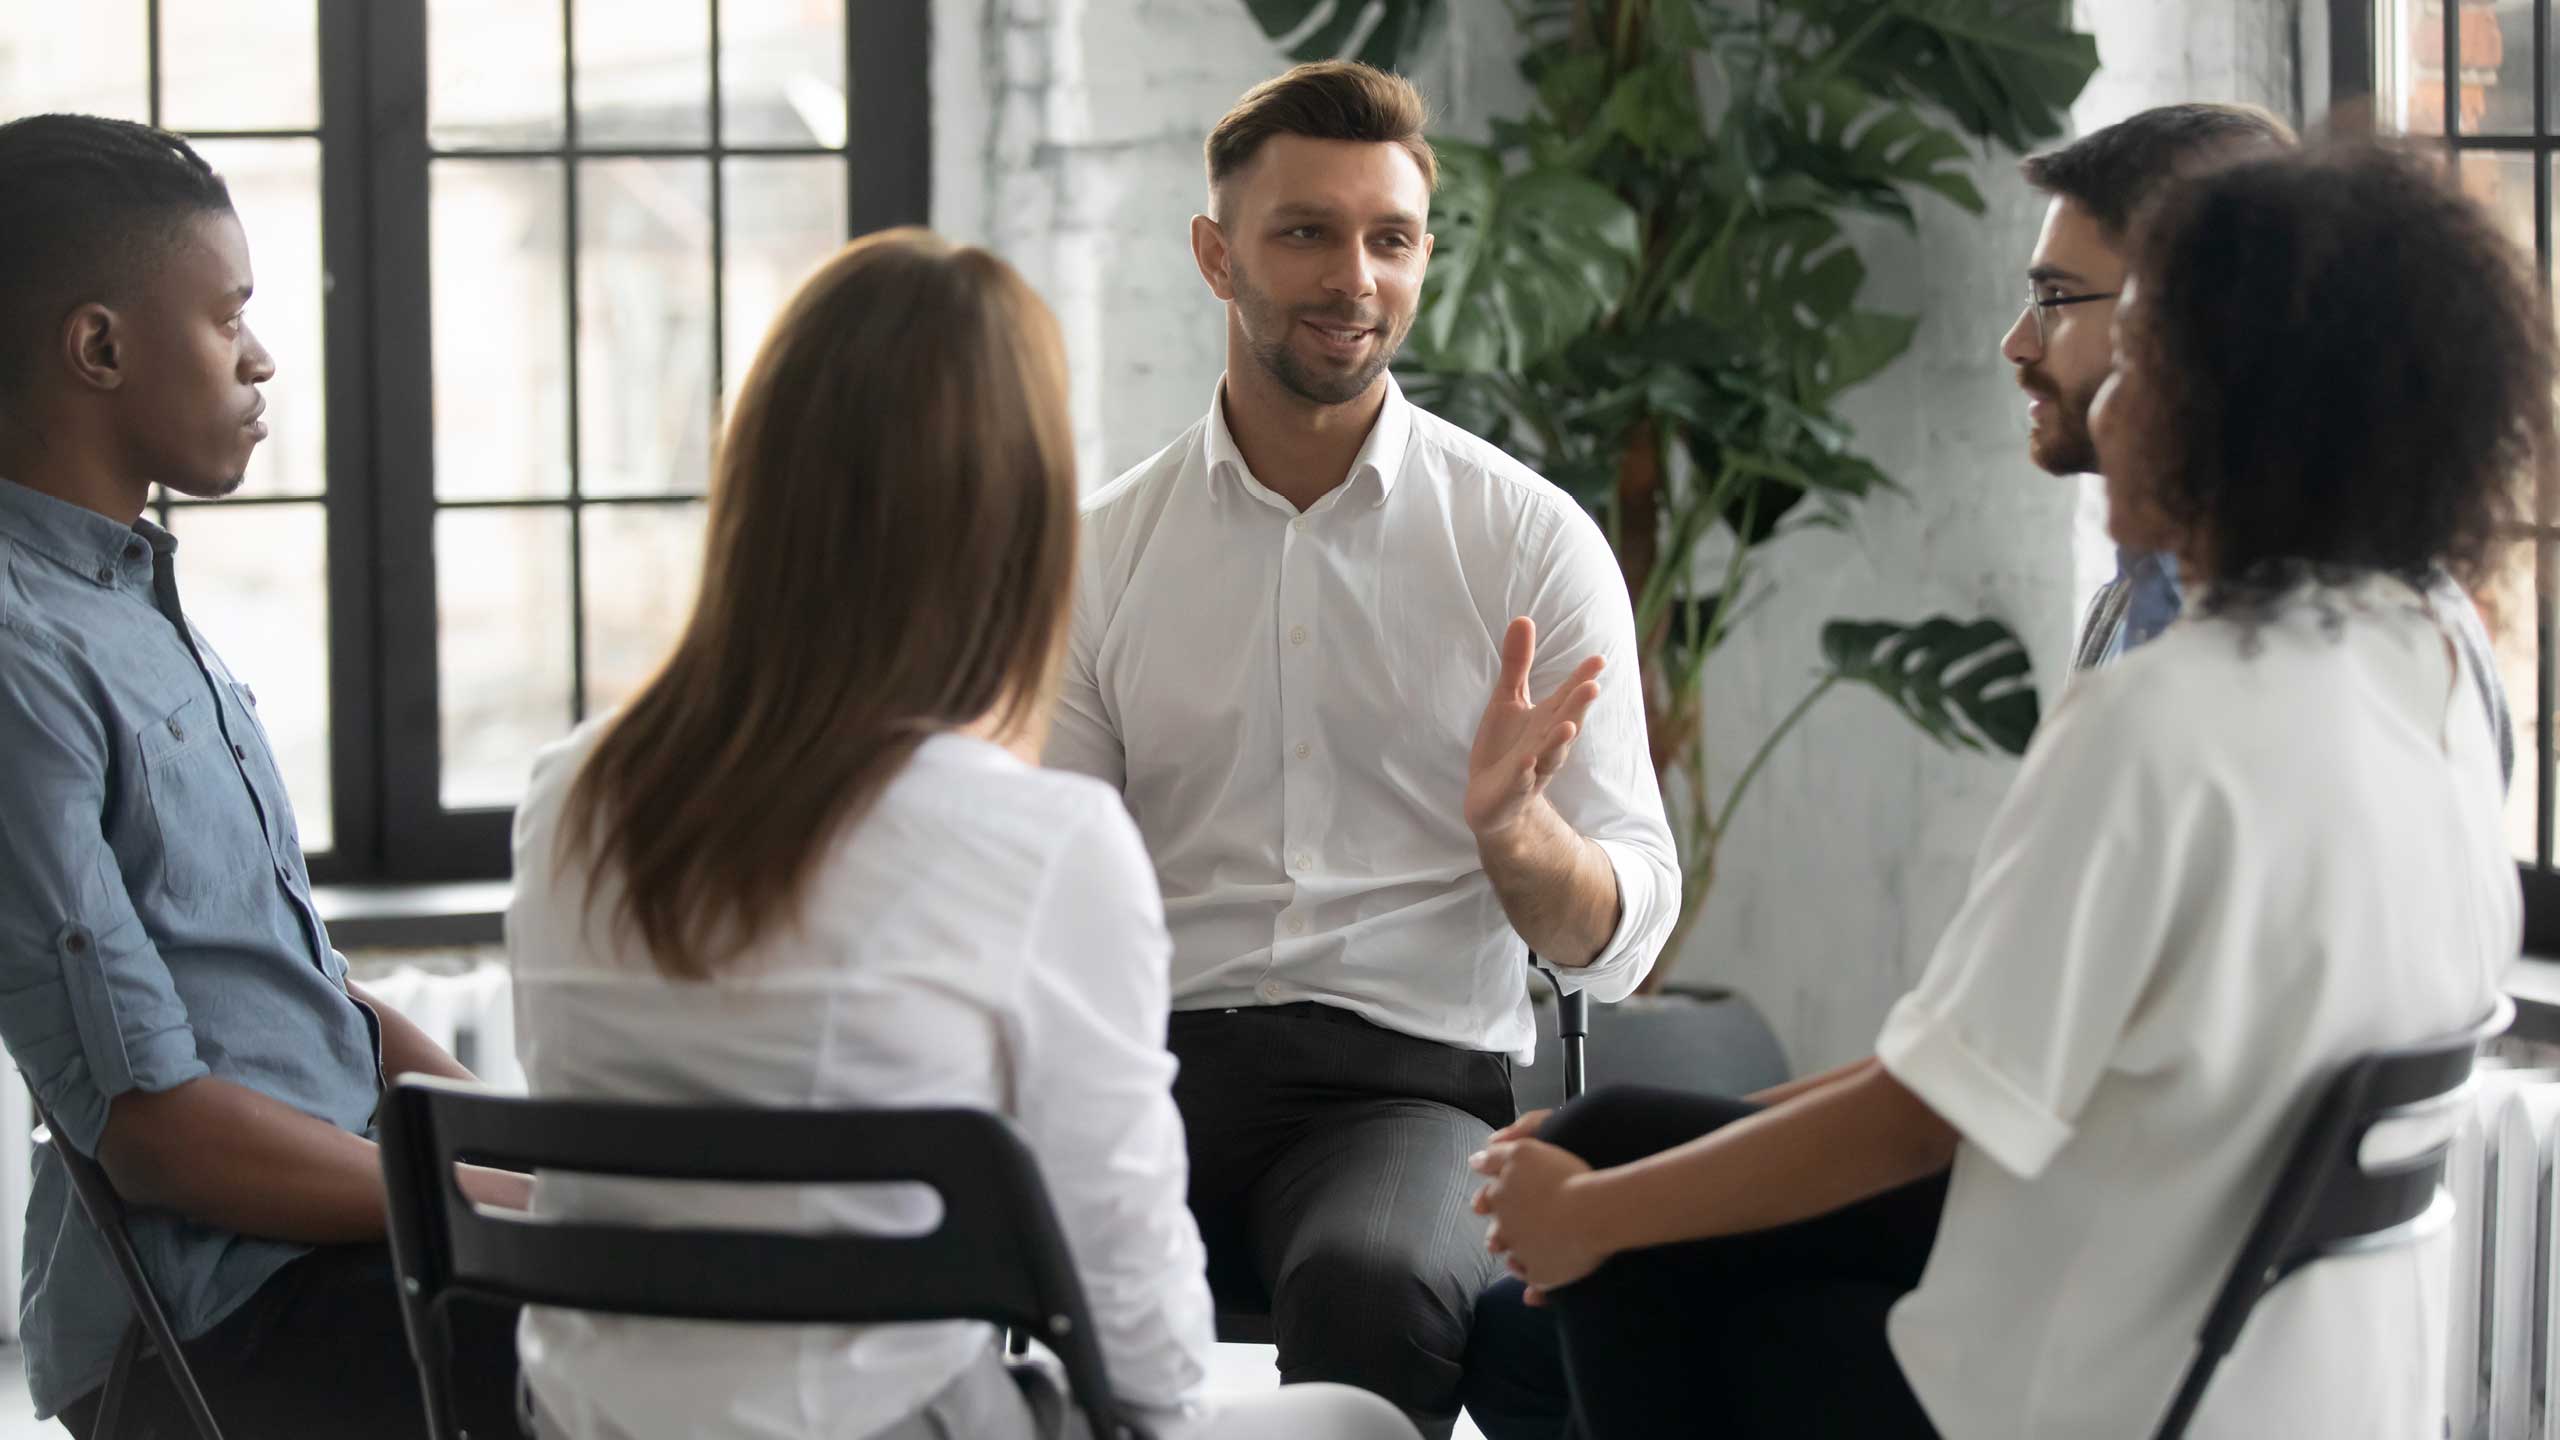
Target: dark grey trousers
{"points": [[1328, 1174]]}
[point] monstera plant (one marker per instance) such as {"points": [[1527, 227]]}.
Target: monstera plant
{"points": [[1643, 289]]}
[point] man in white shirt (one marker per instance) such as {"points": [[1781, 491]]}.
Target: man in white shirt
{"points": [[1369, 688]]}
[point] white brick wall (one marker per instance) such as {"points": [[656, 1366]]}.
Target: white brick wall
{"points": [[1067, 135]]}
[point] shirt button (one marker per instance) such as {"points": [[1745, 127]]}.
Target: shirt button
{"points": [[106, 575], [1297, 634], [1298, 524], [177, 731], [133, 549], [1297, 924], [1267, 991], [1305, 749], [1302, 860]]}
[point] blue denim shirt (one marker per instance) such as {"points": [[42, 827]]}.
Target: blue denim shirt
{"points": [[156, 922]]}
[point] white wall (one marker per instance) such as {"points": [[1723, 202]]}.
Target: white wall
{"points": [[1067, 135]]}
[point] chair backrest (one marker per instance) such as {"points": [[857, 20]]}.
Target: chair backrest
{"points": [[2331, 1197], [98, 1199], [998, 1255]]}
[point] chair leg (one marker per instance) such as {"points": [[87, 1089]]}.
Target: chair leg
{"points": [[119, 1375]]}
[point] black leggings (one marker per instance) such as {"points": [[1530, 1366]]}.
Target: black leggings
{"points": [[1772, 1333]]}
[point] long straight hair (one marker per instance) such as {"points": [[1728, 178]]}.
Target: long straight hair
{"points": [[891, 553]]}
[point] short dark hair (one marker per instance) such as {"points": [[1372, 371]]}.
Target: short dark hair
{"points": [[2112, 173], [2348, 364], [88, 206], [1327, 100]]}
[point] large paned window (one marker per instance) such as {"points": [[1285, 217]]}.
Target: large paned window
{"points": [[2492, 110], [513, 257]]}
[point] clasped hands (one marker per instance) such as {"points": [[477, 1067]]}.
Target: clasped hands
{"points": [[1540, 1199]]}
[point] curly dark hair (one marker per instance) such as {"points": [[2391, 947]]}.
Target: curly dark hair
{"points": [[2350, 369], [87, 206]]}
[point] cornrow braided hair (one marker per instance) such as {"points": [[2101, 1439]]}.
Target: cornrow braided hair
{"points": [[87, 207]]}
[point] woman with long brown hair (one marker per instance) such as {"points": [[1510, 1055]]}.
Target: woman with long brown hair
{"points": [[813, 864]]}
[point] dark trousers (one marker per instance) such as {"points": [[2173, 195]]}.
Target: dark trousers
{"points": [[320, 1350], [1328, 1175], [1776, 1333]]}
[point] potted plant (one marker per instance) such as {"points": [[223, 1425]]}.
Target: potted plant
{"points": [[1643, 289]]}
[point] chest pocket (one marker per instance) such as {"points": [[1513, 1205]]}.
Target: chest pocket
{"points": [[209, 835]]}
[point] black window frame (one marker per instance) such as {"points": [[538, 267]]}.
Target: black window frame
{"points": [[2355, 49], [389, 825]]}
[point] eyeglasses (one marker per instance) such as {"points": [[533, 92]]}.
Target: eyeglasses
{"points": [[2042, 306]]}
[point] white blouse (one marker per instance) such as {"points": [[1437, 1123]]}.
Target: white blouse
{"points": [[990, 936], [1287, 701], [2228, 867]]}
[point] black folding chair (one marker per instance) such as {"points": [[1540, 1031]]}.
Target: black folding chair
{"points": [[2333, 1199], [1246, 1319], [997, 1256], [149, 1334]]}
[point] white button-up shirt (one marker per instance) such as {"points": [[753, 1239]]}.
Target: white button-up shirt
{"points": [[987, 936], [1287, 700]]}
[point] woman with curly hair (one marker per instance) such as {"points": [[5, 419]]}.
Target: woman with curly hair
{"points": [[2265, 844]]}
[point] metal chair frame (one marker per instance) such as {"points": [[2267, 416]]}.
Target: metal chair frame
{"points": [[2330, 1199], [999, 1254], [149, 1335]]}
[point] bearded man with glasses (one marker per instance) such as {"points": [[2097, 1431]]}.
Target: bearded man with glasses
{"points": [[2099, 184]]}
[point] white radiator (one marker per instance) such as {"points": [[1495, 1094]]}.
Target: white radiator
{"points": [[469, 1011], [2503, 1368]]}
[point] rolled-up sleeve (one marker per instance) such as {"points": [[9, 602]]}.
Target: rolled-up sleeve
{"points": [[1607, 790], [87, 1007], [2099, 850]]}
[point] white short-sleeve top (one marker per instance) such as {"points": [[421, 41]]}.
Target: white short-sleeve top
{"points": [[988, 936], [2230, 864]]}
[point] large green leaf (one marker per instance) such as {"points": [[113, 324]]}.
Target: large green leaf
{"points": [[1327, 29], [2007, 69], [1966, 683], [1841, 135], [1526, 263]]}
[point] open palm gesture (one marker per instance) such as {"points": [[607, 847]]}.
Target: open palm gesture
{"points": [[1520, 745]]}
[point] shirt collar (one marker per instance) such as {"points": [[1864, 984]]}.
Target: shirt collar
{"points": [[94, 547], [1380, 461]]}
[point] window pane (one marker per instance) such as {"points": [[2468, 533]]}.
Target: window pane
{"points": [[275, 186], [255, 578], [641, 565], [782, 73], [644, 72], [240, 64], [2497, 67], [502, 647], [494, 74], [783, 218], [88, 57], [2509, 606], [500, 329], [644, 326], [2504, 183]]}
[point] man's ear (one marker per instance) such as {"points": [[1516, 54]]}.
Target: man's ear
{"points": [[1209, 252], [91, 347]]}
